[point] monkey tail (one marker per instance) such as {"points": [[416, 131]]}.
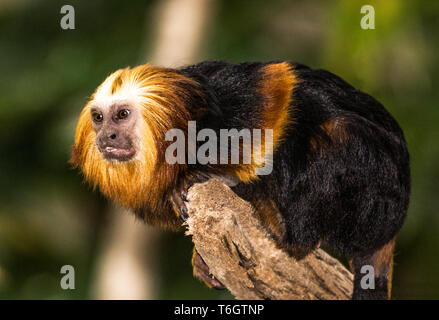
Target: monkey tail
{"points": [[373, 274]]}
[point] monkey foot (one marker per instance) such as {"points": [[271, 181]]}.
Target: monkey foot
{"points": [[201, 271]]}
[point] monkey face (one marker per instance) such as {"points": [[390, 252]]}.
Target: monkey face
{"points": [[115, 128]]}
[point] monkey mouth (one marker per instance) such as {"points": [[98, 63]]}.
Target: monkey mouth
{"points": [[120, 154]]}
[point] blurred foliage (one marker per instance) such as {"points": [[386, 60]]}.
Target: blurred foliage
{"points": [[49, 218]]}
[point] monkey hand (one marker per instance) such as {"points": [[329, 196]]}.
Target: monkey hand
{"points": [[201, 271], [179, 196], [178, 203]]}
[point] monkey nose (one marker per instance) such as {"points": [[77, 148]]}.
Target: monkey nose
{"points": [[112, 136]]}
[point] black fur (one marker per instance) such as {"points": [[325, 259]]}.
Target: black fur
{"points": [[351, 195]]}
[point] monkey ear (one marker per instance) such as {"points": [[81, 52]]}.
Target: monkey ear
{"points": [[276, 88]]}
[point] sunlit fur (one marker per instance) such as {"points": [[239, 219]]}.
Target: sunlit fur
{"points": [[159, 94]]}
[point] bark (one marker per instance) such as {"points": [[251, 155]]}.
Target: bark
{"points": [[241, 254]]}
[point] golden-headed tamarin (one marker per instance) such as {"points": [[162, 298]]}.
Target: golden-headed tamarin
{"points": [[339, 162]]}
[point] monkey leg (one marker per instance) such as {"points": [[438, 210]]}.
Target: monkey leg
{"points": [[373, 274], [201, 271]]}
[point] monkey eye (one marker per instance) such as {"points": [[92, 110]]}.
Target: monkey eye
{"points": [[123, 114], [97, 117]]}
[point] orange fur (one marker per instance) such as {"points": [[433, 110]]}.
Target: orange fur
{"points": [[276, 87], [334, 129], [142, 182]]}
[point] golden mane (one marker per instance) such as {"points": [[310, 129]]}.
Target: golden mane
{"points": [[164, 98]]}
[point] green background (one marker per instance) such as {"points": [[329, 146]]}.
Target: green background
{"points": [[49, 218]]}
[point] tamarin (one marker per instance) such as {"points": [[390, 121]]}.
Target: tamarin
{"points": [[340, 166]]}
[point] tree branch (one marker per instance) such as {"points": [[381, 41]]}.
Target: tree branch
{"points": [[241, 254]]}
